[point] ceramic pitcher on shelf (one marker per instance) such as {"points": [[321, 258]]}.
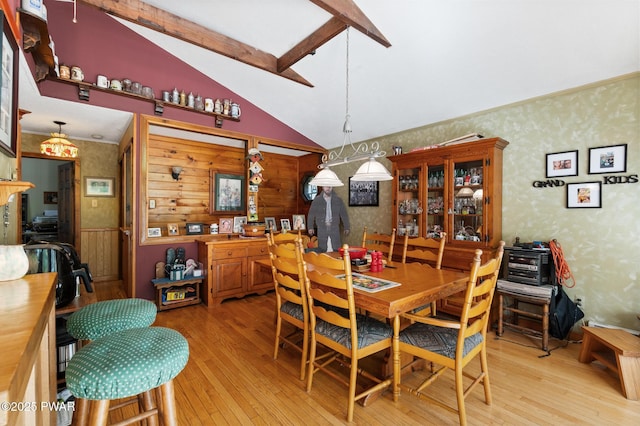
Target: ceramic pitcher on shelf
{"points": [[236, 112]]}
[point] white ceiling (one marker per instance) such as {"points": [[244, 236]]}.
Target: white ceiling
{"points": [[447, 58]]}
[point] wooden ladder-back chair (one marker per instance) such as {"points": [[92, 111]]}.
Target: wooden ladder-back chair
{"points": [[379, 242], [336, 326], [453, 344], [428, 251], [424, 250], [283, 237], [291, 298]]}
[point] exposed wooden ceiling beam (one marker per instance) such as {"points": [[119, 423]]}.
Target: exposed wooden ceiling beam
{"points": [[167, 23], [332, 28], [345, 13], [350, 14]]}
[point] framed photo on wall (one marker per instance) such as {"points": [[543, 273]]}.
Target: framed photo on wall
{"points": [[608, 159], [285, 224], [584, 195], [227, 193], [363, 193], [99, 187], [8, 89], [562, 164]]}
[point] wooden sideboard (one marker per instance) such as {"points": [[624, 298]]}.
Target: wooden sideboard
{"points": [[233, 269], [27, 350]]}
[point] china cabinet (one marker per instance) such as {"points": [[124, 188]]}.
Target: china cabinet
{"points": [[455, 189]]}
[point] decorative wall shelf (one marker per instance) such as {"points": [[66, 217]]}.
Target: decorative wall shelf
{"points": [[9, 187], [85, 88], [36, 42]]}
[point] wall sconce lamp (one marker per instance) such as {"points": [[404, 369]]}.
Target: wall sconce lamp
{"points": [[175, 172]]}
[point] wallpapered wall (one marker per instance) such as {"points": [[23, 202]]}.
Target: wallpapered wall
{"points": [[96, 160], [601, 246]]}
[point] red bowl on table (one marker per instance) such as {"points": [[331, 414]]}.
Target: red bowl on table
{"points": [[354, 252]]}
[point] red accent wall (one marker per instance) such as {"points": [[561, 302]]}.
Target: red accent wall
{"points": [[99, 44]]}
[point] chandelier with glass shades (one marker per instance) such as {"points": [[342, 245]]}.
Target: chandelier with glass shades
{"points": [[57, 145], [370, 170]]}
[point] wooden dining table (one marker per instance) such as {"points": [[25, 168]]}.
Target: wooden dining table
{"points": [[419, 286]]}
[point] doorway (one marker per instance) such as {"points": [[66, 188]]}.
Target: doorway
{"points": [[52, 212]]}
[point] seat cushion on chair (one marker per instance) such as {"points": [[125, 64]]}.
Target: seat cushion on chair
{"points": [[127, 363], [293, 310], [103, 318], [437, 339], [370, 331]]}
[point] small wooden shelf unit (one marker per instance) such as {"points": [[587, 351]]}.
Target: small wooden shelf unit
{"points": [[164, 285]]}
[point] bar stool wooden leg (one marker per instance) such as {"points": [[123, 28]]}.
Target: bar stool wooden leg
{"points": [[169, 417], [99, 413]]}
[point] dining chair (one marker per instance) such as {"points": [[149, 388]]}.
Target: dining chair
{"points": [[335, 324], [291, 298], [428, 251], [453, 344], [282, 237], [379, 242], [424, 250]]}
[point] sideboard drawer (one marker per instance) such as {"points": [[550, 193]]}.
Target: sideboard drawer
{"points": [[261, 250], [228, 253]]}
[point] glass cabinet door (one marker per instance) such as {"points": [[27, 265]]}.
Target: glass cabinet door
{"points": [[436, 207], [468, 198], [409, 203]]}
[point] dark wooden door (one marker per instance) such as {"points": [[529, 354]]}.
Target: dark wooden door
{"points": [[66, 202]]}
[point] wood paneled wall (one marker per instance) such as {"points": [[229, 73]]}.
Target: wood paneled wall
{"points": [[189, 198], [100, 249]]}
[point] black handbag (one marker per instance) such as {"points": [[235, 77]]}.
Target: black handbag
{"points": [[563, 314]]}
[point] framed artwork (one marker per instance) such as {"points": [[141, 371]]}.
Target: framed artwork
{"points": [[8, 89], [285, 224], [226, 225], [195, 228], [271, 223], [298, 222], [584, 195], [99, 187], [172, 229], [227, 193], [153, 232], [608, 159], [363, 193], [50, 197], [238, 221], [562, 164]]}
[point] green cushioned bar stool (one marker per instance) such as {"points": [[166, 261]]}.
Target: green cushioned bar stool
{"points": [[124, 364], [103, 318]]}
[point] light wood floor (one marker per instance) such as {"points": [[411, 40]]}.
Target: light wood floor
{"points": [[232, 379]]}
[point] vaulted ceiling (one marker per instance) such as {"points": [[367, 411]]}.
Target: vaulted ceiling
{"points": [[412, 62]]}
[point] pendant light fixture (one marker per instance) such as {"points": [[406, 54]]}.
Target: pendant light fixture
{"points": [[57, 145], [371, 170]]}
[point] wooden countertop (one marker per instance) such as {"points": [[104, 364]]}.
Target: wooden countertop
{"points": [[25, 306]]}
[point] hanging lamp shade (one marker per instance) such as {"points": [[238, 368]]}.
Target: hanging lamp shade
{"points": [[326, 177], [372, 171], [58, 146]]}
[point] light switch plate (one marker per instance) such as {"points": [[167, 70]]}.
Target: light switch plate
{"points": [[152, 204]]}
